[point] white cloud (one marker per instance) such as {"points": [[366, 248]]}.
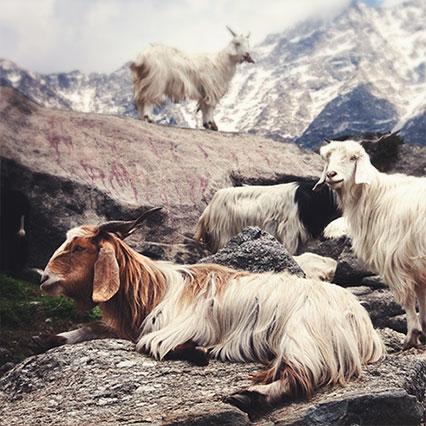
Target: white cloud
{"points": [[100, 35]]}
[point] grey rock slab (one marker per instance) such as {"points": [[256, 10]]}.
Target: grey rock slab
{"points": [[107, 382], [80, 168], [255, 250], [349, 269], [331, 247]]}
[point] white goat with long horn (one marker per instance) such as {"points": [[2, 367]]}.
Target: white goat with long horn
{"points": [[165, 72], [196, 311]]}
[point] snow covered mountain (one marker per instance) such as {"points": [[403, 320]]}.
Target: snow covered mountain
{"points": [[362, 71]]}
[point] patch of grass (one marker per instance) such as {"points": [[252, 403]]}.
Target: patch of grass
{"points": [[24, 312], [12, 288], [21, 301], [95, 314]]}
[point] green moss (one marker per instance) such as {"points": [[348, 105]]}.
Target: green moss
{"points": [[20, 302], [95, 313]]}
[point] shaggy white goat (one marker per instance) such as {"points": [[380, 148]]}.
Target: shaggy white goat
{"points": [[165, 72], [292, 212], [306, 333], [386, 215]]}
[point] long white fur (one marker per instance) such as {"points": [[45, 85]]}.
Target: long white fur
{"points": [[255, 315], [315, 266], [386, 215], [272, 208], [336, 229], [162, 72]]}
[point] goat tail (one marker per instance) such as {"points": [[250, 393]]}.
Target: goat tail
{"points": [[201, 230], [202, 234], [143, 78]]}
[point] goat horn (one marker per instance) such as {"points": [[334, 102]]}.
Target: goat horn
{"points": [[388, 135], [327, 140], [234, 34], [124, 228]]}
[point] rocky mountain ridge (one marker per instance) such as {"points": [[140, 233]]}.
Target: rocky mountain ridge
{"points": [[361, 71]]}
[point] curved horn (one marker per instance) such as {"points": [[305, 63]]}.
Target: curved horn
{"points": [[234, 34], [327, 140], [387, 135], [124, 228]]}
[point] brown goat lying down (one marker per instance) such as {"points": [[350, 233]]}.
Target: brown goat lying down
{"points": [[307, 333]]}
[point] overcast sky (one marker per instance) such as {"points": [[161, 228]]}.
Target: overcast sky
{"points": [[101, 35]]}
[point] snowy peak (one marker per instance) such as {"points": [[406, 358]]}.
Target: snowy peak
{"points": [[362, 71]]}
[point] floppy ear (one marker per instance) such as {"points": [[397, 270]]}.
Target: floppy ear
{"points": [[321, 181], [364, 170], [106, 281]]}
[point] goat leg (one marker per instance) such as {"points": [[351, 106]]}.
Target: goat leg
{"points": [[413, 325], [92, 331], [43, 342], [189, 351]]}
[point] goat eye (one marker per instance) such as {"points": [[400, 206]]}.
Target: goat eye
{"points": [[78, 249], [354, 158]]}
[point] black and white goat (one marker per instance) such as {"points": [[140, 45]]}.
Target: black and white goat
{"points": [[292, 212], [162, 72]]}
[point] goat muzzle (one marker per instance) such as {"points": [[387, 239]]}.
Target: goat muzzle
{"points": [[49, 283], [248, 58]]}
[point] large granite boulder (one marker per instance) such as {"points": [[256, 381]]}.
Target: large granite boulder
{"points": [[349, 271], [80, 168], [255, 250], [332, 247], [107, 382]]}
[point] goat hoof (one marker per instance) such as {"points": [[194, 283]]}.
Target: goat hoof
{"points": [[206, 125], [213, 126], [195, 355], [412, 340], [253, 403], [44, 342], [200, 357], [147, 118]]}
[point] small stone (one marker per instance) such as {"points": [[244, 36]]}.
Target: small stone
{"points": [[145, 388], [126, 364], [106, 401]]}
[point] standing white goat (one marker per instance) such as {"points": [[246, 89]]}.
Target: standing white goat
{"points": [[386, 215], [165, 72]]}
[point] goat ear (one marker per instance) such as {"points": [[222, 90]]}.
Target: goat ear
{"points": [[106, 280], [321, 181], [364, 170]]}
